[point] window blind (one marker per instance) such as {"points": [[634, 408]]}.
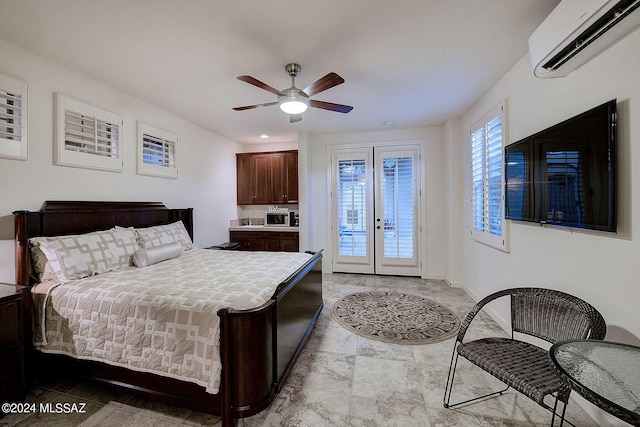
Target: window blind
{"points": [[10, 116], [478, 175], [158, 151], [487, 169], [13, 118], [86, 134], [398, 195], [352, 206], [493, 215]]}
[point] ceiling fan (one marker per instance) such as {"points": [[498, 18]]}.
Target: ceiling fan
{"points": [[294, 101]]}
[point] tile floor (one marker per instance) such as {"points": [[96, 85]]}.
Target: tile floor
{"points": [[340, 380]]}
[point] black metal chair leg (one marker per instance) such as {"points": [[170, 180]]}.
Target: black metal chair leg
{"points": [[450, 375], [449, 387], [554, 412]]}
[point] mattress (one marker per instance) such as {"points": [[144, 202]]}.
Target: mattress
{"points": [[161, 318]]}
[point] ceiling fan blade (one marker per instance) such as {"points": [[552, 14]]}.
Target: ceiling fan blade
{"points": [[295, 118], [249, 107], [330, 106], [258, 83], [324, 83]]}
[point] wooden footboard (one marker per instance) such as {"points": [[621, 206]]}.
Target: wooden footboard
{"points": [[258, 347], [261, 345], [299, 305]]}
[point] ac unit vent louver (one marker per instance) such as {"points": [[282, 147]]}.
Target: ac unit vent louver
{"points": [[577, 31]]}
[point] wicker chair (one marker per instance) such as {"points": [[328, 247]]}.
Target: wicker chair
{"points": [[543, 313]]}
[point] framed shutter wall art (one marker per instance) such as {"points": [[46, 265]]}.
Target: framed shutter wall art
{"points": [[87, 136]]}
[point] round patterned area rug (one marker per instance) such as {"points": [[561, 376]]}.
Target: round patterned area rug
{"points": [[395, 317]]}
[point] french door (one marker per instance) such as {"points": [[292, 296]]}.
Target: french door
{"points": [[375, 210]]}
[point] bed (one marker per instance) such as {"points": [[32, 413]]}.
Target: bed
{"points": [[255, 346]]}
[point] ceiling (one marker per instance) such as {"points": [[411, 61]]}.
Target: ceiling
{"points": [[413, 63]]}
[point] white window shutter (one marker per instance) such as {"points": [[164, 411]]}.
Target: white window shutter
{"points": [[487, 176], [87, 137], [157, 152], [13, 118]]}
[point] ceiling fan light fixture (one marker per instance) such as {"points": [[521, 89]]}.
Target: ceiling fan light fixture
{"points": [[294, 101], [293, 104]]}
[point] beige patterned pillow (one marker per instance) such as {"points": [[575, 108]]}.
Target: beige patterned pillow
{"points": [[163, 234], [78, 256], [64, 258], [41, 265], [121, 243]]}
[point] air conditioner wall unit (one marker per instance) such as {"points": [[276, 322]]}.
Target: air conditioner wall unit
{"points": [[577, 31]]}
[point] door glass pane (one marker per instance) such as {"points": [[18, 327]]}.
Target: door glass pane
{"points": [[352, 203], [398, 206]]}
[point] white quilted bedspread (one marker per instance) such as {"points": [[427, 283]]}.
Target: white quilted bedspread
{"points": [[161, 318]]}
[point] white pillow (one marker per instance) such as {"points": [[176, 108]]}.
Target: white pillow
{"points": [[149, 256], [163, 234]]}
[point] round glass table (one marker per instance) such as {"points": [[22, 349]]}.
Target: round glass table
{"points": [[605, 373]]}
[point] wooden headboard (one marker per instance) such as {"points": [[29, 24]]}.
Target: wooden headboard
{"points": [[58, 218]]}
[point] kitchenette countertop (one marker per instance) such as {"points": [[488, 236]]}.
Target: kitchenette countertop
{"points": [[263, 228]]}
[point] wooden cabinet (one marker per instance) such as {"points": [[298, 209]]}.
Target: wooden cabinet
{"points": [[284, 177], [274, 241], [291, 169], [253, 173], [267, 178], [245, 179], [249, 240], [12, 357]]}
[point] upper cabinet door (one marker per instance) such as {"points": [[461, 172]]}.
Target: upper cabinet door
{"points": [[262, 164], [291, 168], [278, 175], [245, 173]]}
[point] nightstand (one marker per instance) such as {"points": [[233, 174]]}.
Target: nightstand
{"points": [[12, 357]]}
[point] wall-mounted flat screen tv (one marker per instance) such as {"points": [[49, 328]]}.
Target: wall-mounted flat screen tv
{"points": [[565, 175]]}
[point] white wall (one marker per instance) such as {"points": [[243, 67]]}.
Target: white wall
{"points": [[602, 269], [206, 160], [453, 135], [305, 191], [269, 146], [434, 192]]}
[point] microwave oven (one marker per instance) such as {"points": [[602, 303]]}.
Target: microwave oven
{"points": [[281, 219]]}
